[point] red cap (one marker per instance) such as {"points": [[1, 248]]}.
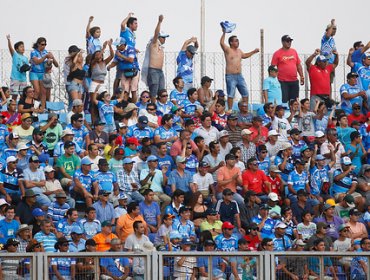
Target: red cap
{"points": [[227, 225], [132, 140]]}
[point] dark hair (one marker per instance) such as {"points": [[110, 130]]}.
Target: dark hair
{"points": [[89, 209], [166, 118], [39, 41], [18, 44], [176, 80], [147, 191], [191, 91], [198, 139], [231, 38], [75, 117], [93, 29], [205, 115], [136, 224], [130, 21], [132, 206]]}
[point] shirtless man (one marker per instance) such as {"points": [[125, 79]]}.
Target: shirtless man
{"points": [[155, 72], [234, 78]]}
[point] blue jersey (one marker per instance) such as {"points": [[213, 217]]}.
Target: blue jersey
{"points": [[129, 36], [267, 230], [18, 60], [346, 105], [273, 88], [79, 134], [106, 111], [106, 180], [327, 48], [93, 45], [184, 67], [189, 107], [163, 109], [363, 75], [318, 178], [85, 180], [226, 244], [38, 68], [134, 131], [298, 181], [343, 185], [179, 97]]}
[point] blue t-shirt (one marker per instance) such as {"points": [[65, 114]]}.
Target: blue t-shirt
{"points": [[18, 60], [129, 36], [346, 105], [363, 75], [273, 88], [93, 45], [150, 212], [38, 68], [184, 67], [106, 111]]}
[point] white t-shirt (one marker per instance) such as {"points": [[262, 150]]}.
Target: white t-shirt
{"points": [[203, 182]]}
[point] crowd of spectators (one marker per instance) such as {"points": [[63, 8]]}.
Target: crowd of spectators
{"points": [[179, 170]]}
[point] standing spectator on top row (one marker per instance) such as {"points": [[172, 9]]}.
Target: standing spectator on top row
{"points": [[287, 61]]}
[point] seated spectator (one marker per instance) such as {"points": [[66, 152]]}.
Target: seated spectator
{"points": [[57, 210], [67, 164], [103, 239], [90, 224], [125, 223], [8, 226], [104, 209], [109, 267], [47, 236], [11, 181], [128, 181]]}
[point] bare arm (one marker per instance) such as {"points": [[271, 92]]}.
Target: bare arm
{"points": [[91, 18], [124, 22], [10, 47]]}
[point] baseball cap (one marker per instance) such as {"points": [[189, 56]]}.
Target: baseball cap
{"points": [[227, 225], [273, 196], [11, 159], [355, 212], [319, 134], [286, 38], [143, 120], [295, 131], [77, 102], [86, 161], [151, 158], [246, 131], [191, 49], [37, 212], [273, 133], [127, 160], [346, 161], [349, 200], [280, 225]]}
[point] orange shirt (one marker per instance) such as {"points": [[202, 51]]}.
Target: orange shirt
{"points": [[102, 243], [125, 225], [224, 173]]}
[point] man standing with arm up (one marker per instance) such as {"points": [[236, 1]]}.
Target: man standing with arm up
{"points": [[234, 77]]}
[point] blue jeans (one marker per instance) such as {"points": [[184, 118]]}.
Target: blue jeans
{"points": [[236, 81]]}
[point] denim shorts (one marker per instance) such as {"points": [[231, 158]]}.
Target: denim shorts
{"points": [[236, 81], [36, 76], [73, 86]]}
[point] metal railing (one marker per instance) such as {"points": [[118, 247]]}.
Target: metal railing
{"points": [[214, 67], [265, 267]]}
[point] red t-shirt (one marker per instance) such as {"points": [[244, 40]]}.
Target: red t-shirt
{"points": [[320, 79], [286, 61], [254, 180], [361, 118]]}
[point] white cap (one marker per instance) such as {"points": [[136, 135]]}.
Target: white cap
{"points": [[49, 169], [273, 133], [223, 133], [11, 159], [246, 131], [273, 196], [319, 134]]}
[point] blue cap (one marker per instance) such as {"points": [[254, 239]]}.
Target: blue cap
{"points": [[37, 212], [86, 161], [175, 234], [151, 158], [320, 157], [127, 160], [77, 229]]}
